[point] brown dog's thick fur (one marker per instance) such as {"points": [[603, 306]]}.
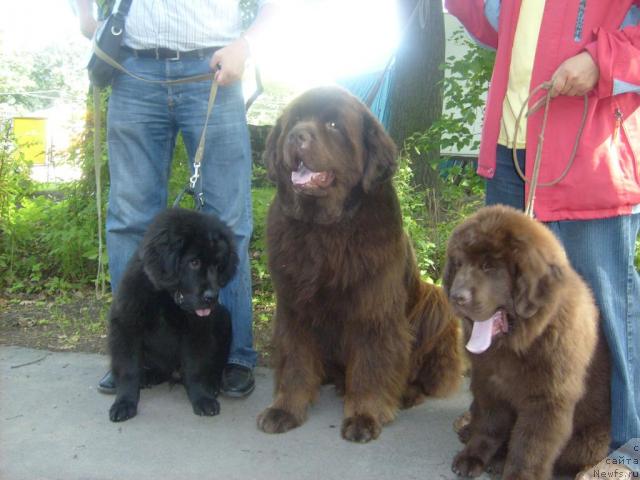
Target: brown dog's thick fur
{"points": [[351, 308], [541, 390]]}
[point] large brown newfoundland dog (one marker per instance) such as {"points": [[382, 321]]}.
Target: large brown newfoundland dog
{"points": [[540, 369], [351, 308]]}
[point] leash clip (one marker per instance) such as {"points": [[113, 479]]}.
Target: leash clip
{"points": [[196, 174]]}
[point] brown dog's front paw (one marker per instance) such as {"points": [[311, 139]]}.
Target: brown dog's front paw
{"points": [[360, 428], [276, 420], [466, 465], [412, 396]]}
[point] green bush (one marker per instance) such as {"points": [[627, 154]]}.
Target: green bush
{"points": [[429, 215], [52, 245]]}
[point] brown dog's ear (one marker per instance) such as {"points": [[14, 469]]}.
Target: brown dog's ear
{"points": [[448, 275], [535, 277], [271, 148], [380, 152]]}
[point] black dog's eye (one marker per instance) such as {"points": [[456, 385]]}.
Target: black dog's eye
{"points": [[331, 125], [195, 263]]}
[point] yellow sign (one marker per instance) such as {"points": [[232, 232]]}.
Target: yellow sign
{"points": [[31, 136]]}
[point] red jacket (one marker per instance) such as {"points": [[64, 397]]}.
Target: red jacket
{"points": [[604, 180]]}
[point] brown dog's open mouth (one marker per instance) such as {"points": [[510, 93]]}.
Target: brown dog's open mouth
{"points": [[305, 178], [485, 331]]}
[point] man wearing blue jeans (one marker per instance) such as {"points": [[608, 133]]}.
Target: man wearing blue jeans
{"points": [[168, 41]]}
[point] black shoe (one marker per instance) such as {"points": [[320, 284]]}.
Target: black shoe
{"points": [[237, 381], [107, 384]]}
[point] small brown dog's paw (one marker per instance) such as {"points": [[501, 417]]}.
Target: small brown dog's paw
{"points": [[495, 467], [525, 476], [466, 465], [276, 420], [462, 426], [360, 428]]}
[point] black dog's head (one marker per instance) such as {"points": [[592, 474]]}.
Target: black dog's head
{"points": [[190, 255]]}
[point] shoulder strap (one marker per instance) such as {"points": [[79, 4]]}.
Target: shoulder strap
{"points": [[123, 7]]}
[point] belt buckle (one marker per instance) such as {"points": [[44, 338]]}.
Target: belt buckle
{"points": [[160, 57]]}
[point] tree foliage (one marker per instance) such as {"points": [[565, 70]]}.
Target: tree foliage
{"points": [[32, 81]]}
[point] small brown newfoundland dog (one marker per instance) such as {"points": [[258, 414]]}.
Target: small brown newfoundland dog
{"points": [[540, 369], [351, 308]]}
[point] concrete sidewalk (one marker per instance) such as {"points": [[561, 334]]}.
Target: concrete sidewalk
{"points": [[54, 425]]}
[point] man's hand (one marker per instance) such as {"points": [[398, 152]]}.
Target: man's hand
{"points": [[575, 76], [230, 62]]}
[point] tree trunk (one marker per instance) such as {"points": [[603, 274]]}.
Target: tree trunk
{"points": [[416, 90]]}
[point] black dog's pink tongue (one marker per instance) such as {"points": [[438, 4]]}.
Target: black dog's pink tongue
{"points": [[203, 312]]}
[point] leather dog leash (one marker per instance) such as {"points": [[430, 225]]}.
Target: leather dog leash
{"points": [[534, 184]]}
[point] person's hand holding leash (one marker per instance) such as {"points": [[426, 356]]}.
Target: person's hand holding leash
{"points": [[575, 76], [229, 61]]}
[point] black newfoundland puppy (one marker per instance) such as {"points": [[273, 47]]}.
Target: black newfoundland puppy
{"points": [[165, 317]]}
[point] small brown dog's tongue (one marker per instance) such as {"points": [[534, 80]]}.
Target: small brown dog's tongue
{"points": [[482, 333]]}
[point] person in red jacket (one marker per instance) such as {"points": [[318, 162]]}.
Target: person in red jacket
{"points": [[583, 48]]}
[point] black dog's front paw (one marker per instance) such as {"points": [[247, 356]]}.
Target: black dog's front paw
{"points": [[207, 406], [122, 410]]}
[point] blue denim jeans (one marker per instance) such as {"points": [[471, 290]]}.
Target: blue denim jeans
{"points": [[602, 252], [142, 124]]}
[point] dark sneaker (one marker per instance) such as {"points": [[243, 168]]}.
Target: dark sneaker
{"points": [[107, 384], [237, 381]]}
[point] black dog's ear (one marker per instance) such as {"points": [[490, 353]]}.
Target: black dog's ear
{"points": [[226, 257], [271, 150], [535, 278], [160, 255], [380, 152]]}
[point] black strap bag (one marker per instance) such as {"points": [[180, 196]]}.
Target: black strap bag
{"points": [[106, 46]]}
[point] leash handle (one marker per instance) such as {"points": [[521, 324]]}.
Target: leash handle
{"points": [[534, 184]]}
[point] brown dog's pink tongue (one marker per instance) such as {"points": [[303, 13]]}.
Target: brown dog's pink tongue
{"points": [[302, 176], [482, 334]]}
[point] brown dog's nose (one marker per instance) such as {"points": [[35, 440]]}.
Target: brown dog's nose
{"points": [[300, 138], [461, 296]]}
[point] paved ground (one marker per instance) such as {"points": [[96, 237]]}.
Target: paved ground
{"points": [[54, 425]]}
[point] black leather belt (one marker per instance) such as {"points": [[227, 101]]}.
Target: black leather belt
{"points": [[168, 54]]}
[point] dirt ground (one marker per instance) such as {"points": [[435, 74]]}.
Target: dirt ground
{"points": [[78, 323]]}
